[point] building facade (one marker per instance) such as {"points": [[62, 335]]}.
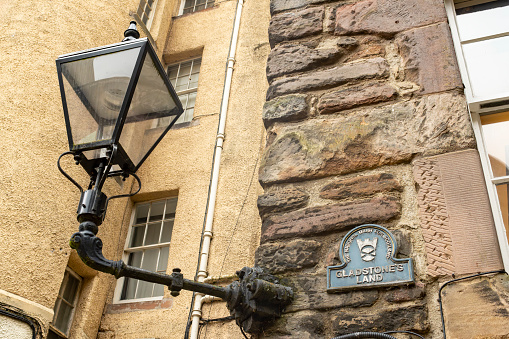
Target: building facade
{"points": [[335, 113]]}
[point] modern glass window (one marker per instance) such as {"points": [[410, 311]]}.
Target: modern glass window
{"points": [[146, 11], [184, 78], [480, 31], [65, 305], [190, 6], [148, 246]]}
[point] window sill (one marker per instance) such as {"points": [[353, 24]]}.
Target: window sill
{"points": [[165, 303]]}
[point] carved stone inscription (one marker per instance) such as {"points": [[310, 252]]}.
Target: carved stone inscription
{"points": [[367, 256]]}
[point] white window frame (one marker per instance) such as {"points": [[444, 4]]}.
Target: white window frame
{"points": [[187, 118], [151, 14], [478, 103], [183, 3], [76, 299], [475, 109], [127, 250]]}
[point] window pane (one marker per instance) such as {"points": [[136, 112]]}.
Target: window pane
{"points": [[144, 289], [157, 210], [189, 3], [71, 289], [199, 8], [129, 288], [193, 82], [496, 139], [483, 20], [487, 66], [137, 236], [141, 214], [158, 290], [150, 259], [63, 317], [185, 69], [135, 259], [167, 229], [153, 232], [191, 100], [182, 83], [171, 207], [163, 259], [196, 65]]}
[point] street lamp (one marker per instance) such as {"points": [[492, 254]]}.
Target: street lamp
{"points": [[118, 105]]}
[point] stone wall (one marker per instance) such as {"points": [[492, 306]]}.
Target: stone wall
{"points": [[364, 97]]}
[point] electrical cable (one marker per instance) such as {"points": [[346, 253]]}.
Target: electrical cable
{"points": [[407, 332], [19, 314], [365, 335], [452, 281], [243, 333]]}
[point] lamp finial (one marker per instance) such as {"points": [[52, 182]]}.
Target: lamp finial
{"points": [[131, 33]]}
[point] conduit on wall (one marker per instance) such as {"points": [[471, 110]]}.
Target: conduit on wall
{"points": [[207, 232]]}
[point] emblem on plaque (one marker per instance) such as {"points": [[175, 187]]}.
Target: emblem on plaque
{"points": [[367, 255], [367, 248]]}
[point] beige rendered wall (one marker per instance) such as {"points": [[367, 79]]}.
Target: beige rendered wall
{"points": [[37, 204], [181, 164]]}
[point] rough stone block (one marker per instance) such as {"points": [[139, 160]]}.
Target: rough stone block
{"points": [[281, 200], [290, 58], [407, 293], [281, 257], [355, 96], [302, 325], [477, 308], [310, 293], [403, 318], [277, 6], [295, 25], [370, 138], [429, 58], [387, 17], [284, 109], [363, 70], [360, 186], [330, 218]]}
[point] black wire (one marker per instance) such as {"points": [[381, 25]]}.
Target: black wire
{"points": [[407, 332], [206, 321], [18, 314], [452, 281], [243, 333]]}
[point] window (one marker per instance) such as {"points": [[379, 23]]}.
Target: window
{"points": [[480, 32], [184, 78], [65, 305], [146, 11], [148, 247], [190, 6]]}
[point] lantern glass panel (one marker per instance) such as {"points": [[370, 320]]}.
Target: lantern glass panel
{"points": [[152, 102], [94, 89]]}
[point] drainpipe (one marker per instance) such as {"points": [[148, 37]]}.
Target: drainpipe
{"points": [[207, 233]]}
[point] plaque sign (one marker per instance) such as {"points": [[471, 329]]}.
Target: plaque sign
{"points": [[367, 254]]}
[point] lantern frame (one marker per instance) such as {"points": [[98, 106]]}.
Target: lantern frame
{"points": [[116, 153]]}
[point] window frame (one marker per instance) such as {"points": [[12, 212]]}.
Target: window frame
{"points": [[474, 103], [188, 90], [183, 3], [117, 295], [76, 300], [151, 14], [475, 110]]}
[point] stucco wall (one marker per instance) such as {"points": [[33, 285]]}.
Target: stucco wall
{"points": [[181, 164]]}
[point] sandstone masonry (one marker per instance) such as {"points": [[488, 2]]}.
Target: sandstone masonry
{"points": [[360, 92]]}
